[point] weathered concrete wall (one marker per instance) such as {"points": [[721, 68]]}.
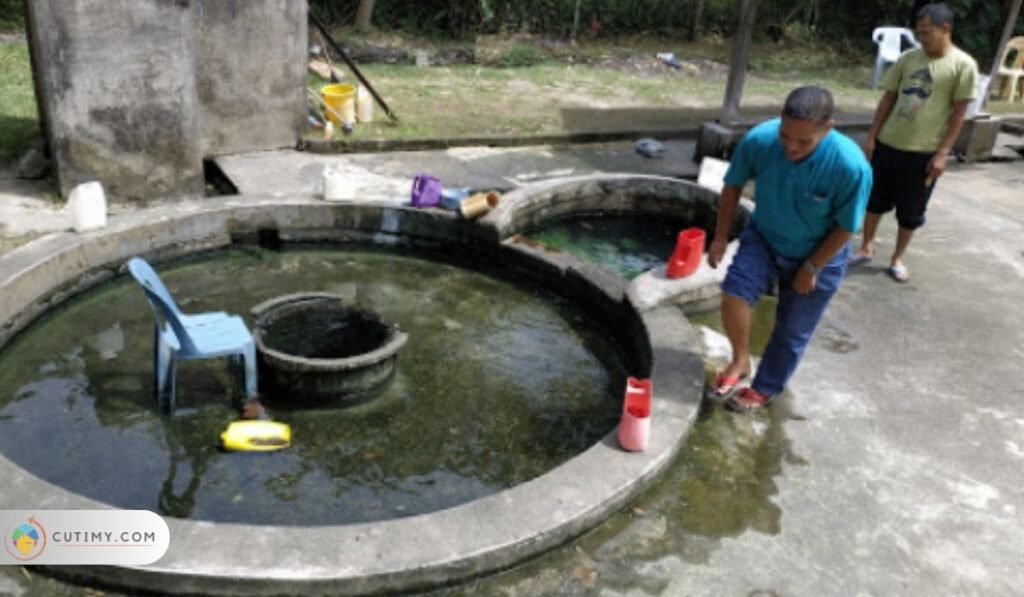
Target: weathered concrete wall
{"points": [[250, 73], [137, 92], [119, 94]]}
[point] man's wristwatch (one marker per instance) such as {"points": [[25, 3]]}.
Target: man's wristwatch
{"points": [[813, 269]]}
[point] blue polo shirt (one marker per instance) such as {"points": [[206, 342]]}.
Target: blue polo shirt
{"points": [[797, 204]]}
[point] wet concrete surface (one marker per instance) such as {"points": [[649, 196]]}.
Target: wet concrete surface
{"points": [[892, 466]]}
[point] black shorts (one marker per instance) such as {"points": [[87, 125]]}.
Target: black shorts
{"points": [[899, 182]]}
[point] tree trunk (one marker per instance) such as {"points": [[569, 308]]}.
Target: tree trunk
{"points": [[697, 23], [575, 20], [738, 62], [364, 14], [996, 36]]}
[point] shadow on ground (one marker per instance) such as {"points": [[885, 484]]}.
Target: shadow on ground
{"points": [[16, 136]]}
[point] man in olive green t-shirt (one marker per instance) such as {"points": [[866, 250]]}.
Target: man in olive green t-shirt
{"points": [[916, 123]]}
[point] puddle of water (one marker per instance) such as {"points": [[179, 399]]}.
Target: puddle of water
{"points": [[721, 485], [496, 385], [627, 245], [762, 323]]}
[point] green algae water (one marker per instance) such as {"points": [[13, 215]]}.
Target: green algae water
{"points": [[497, 385], [628, 245]]}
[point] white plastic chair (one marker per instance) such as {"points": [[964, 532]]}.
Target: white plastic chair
{"points": [[1009, 72], [890, 46]]}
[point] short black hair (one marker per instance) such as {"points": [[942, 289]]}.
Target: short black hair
{"points": [[939, 14], [809, 103]]}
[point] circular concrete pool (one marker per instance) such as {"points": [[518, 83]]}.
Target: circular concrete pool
{"points": [[392, 554]]}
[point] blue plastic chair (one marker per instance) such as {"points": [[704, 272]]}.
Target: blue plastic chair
{"points": [[178, 336]]}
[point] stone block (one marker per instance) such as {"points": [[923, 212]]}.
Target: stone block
{"points": [[717, 140], [250, 71], [977, 138]]}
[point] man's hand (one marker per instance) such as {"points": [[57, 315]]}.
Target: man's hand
{"points": [[804, 281], [717, 251], [869, 148], [936, 166]]}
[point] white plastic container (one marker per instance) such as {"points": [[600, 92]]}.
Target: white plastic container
{"points": [[337, 187], [712, 173], [88, 205], [364, 105], [981, 88]]}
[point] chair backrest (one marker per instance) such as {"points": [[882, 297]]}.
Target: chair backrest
{"points": [[889, 40], [147, 278], [1016, 44], [165, 310]]}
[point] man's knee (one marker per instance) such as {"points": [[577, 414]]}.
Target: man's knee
{"points": [[879, 205], [911, 221]]}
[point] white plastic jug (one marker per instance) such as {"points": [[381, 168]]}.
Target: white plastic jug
{"points": [[337, 187], [364, 104], [712, 173], [88, 205]]}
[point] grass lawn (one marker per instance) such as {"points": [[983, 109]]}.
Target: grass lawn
{"points": [[552, 98], [616, 87], [18, 119]]}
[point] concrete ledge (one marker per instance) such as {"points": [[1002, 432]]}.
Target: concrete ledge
{"points": [[408, 554], [652, 196], [853, 123]]}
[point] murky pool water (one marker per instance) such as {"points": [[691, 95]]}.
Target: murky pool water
{"points": [[628, 245], [497, 384]]}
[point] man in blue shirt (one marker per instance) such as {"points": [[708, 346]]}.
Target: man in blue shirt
{"points": [[812, 188]]}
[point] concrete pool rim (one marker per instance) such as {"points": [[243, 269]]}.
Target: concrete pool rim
{"points": [[419, 552]]}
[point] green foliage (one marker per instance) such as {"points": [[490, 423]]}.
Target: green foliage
{"points": [[11, 18], [434, 18], [518, 56], [832, 22], [978, 26]]}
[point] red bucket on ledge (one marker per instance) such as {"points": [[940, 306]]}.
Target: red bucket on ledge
{"points": [[686, 258], [635, 426]]}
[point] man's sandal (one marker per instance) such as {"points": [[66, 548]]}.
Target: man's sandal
{"points": [[724, 387], [748, 399]]}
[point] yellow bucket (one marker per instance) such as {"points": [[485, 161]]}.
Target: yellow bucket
{"points": [[341, 99]]}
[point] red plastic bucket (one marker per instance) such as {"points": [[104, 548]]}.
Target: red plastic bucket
{"points": [[686, 258], [635, 426]]}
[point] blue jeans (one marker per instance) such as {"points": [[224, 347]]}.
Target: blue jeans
{"points": [[749, 277]]}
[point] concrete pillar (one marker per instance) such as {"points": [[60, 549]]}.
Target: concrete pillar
{"points": [[119, 94], [135, 93], [251, 73]]}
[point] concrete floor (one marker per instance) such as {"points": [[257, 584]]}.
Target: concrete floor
{"points": [[893, 467]]}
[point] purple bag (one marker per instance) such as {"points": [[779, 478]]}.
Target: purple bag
{"points": [[426, 191]]}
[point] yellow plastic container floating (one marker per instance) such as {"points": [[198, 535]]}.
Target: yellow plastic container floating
{"points": [[256, 436], [341, 99]]}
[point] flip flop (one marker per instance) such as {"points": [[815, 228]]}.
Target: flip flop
{"points": [[748, 399], [857, 260], [724, 387], [899, 273]]}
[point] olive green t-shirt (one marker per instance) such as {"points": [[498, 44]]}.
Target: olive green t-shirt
{"points": [[926, 89]]}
